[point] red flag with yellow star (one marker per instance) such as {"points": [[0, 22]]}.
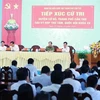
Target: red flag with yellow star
{"points": [[11, 21]]}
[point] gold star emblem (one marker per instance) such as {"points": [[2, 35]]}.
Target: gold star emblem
{"points": [[16, 6]]}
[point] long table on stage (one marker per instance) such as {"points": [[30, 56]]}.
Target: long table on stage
{"points": [[40, 58]]}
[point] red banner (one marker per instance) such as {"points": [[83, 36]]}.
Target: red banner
{"points": [[11, 21], [63, 17]]}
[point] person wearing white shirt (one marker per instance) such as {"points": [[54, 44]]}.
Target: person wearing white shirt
{"points": [[3, 47], [91, 87], [22, 76], [69, 80], [13, 46], [56, 79], [44, 78], [65, 47], [32, 68], [73, 69]]}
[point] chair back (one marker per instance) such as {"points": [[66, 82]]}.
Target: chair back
{"points": [[6, 74], [55, 48], [20, 47], [82, 96], [7, 95], [38, 87], [43, 96], [34, 47], [72, 52]]}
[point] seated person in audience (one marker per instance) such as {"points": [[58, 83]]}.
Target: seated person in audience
{"points": [[56, 79], [68, 79], [98, 77], [32, 68], [58, 67], [85, 62], [91, 87], [66, 92], [73, 69], [44, 78], [94, 70], [14, 68], [65, 47], [13, 46], [3, 47], [25, 92], [98, 65], [49, 48], [84, 72], [22, 76]]}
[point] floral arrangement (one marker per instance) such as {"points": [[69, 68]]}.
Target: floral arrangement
{"points": [[11, 24], [95, 49]]}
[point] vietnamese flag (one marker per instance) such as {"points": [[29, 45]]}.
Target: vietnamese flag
{"points": [[11, 21]]}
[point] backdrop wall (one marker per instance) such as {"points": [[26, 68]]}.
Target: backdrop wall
{"points": [[0, 17], [76, 37]]}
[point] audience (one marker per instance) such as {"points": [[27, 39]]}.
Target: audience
{"points": [[22, 76], [85, 62], [14, 68], [98, 77], [73, 69], [32, 68], [84, 72], [25, 92], [66, 92], [68, 75], [91, 87], [44, 78], [56, 79], [98, 65], [58, 67], [94, 70]]}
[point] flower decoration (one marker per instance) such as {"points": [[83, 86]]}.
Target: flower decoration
{"points": [[11, 24], [95, 49]]}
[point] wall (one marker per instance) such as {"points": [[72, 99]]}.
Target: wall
{"points": [[0, 17]]}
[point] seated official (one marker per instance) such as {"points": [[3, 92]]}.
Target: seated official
{"points": [[13, 46], [49, 48], [3, 47], [65, 47]]}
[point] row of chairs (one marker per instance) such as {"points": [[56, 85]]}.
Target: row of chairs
{"points": [[8, 95]]}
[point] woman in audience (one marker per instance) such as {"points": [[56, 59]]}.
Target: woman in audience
{"points": [[25, 92], [56, 79], [66, 92]]}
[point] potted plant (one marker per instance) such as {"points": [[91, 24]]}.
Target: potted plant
{"points": [[82, 55]]}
